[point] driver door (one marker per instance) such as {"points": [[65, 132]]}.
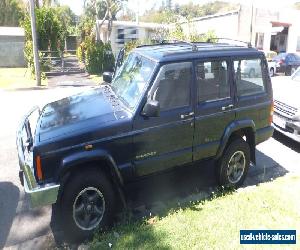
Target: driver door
{"points": [[164, 142]]}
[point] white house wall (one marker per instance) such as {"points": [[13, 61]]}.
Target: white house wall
{"points": [[223, 26]]}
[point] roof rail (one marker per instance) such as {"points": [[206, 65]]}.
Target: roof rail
{"points": [[248, 44], [172, 42]]}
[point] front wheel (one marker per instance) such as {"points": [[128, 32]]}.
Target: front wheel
{"points": [[87, 204], [232, 168]]}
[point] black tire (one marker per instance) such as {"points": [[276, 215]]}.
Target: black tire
{"points": [[237, 147], [288, 71], [90, 182]]}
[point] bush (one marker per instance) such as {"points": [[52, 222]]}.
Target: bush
{"points": [[28, 54], [80, 52], [129, 46], [98, 57]]}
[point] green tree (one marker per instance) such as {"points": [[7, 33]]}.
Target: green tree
{"points": [[105, 10], [297, 5], [166, 13], [67, 18], [49, 27], [11, 12]]}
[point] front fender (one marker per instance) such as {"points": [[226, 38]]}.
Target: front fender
{"points": [[83, 157], [231, 128]]}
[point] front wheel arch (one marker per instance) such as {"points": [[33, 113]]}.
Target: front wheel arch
{"points": [[102, 165]]}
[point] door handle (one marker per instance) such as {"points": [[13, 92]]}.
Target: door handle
{"points": [[186, 115], [230, 106]]}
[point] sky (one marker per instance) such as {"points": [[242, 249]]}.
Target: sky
{"points": [[77, 5]]}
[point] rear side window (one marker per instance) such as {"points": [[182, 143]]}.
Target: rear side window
{"points": [[249, 76], [212, 80]]}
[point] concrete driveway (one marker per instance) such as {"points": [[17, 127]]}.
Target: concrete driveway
{"points": [[21, 227]]}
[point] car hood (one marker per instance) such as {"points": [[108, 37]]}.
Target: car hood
{"points": [[78, 113], [286, 90]]}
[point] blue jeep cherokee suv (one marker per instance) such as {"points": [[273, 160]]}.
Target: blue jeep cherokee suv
{"points": [[167, 105]]}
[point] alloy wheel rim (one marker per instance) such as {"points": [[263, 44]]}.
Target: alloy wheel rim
{"points": [[236, 167], [88, 208]]}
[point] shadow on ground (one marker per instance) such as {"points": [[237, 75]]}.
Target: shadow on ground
{"points": [[9, 197], [287, 141], [159, 194]]}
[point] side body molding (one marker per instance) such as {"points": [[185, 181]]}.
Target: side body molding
{"points": [[233, 127], [80, 158]]}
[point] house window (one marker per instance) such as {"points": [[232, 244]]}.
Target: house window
{"points": [[259, 40], [298, 43]]}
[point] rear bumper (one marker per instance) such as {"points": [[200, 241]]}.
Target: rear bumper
{"points": [[263, 134]]}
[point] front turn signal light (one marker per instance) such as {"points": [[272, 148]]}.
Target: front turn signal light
{"points": [[39, 172]]}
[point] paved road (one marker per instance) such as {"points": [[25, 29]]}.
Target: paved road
{"points": [[22, 227]]}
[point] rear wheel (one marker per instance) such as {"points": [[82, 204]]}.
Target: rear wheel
{"points": [[87, 204], [232, 168]]}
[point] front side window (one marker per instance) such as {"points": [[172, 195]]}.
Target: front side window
{"points": [[131, 79], [212, 81], [172, 85], [248, 76]]}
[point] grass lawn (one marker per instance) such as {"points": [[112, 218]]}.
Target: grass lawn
{"points": [[12, 78], [214, 223]]}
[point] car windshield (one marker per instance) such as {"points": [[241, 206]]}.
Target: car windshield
{"points": [[296, 76], [131, 79]]}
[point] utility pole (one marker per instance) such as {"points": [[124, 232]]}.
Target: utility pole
{"points": [[251, 25], [34, 43]]}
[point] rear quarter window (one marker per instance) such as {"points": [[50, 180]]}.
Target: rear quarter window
{"points": [[250, 76]]}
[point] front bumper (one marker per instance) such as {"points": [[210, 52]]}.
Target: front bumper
{"points": [[39, 195], [291, 131]]}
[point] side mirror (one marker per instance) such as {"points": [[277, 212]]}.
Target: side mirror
{"points": [[107, 77], [151, 109]]}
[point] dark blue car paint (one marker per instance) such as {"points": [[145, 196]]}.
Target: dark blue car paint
{"points": [[136, 146]]}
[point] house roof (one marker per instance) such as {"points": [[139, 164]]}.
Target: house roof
{"points": [[229, 13], [11, 31]]}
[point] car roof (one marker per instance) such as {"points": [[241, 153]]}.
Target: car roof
{"points": [[182, 51]]}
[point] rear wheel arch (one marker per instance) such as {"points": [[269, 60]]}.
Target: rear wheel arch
{"points": [[244, 129]]}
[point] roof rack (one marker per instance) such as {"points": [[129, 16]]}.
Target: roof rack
{"points": [[194, 45], [248, 44]]}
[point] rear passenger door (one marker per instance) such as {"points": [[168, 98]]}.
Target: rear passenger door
{"points": [[214, 109]]}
